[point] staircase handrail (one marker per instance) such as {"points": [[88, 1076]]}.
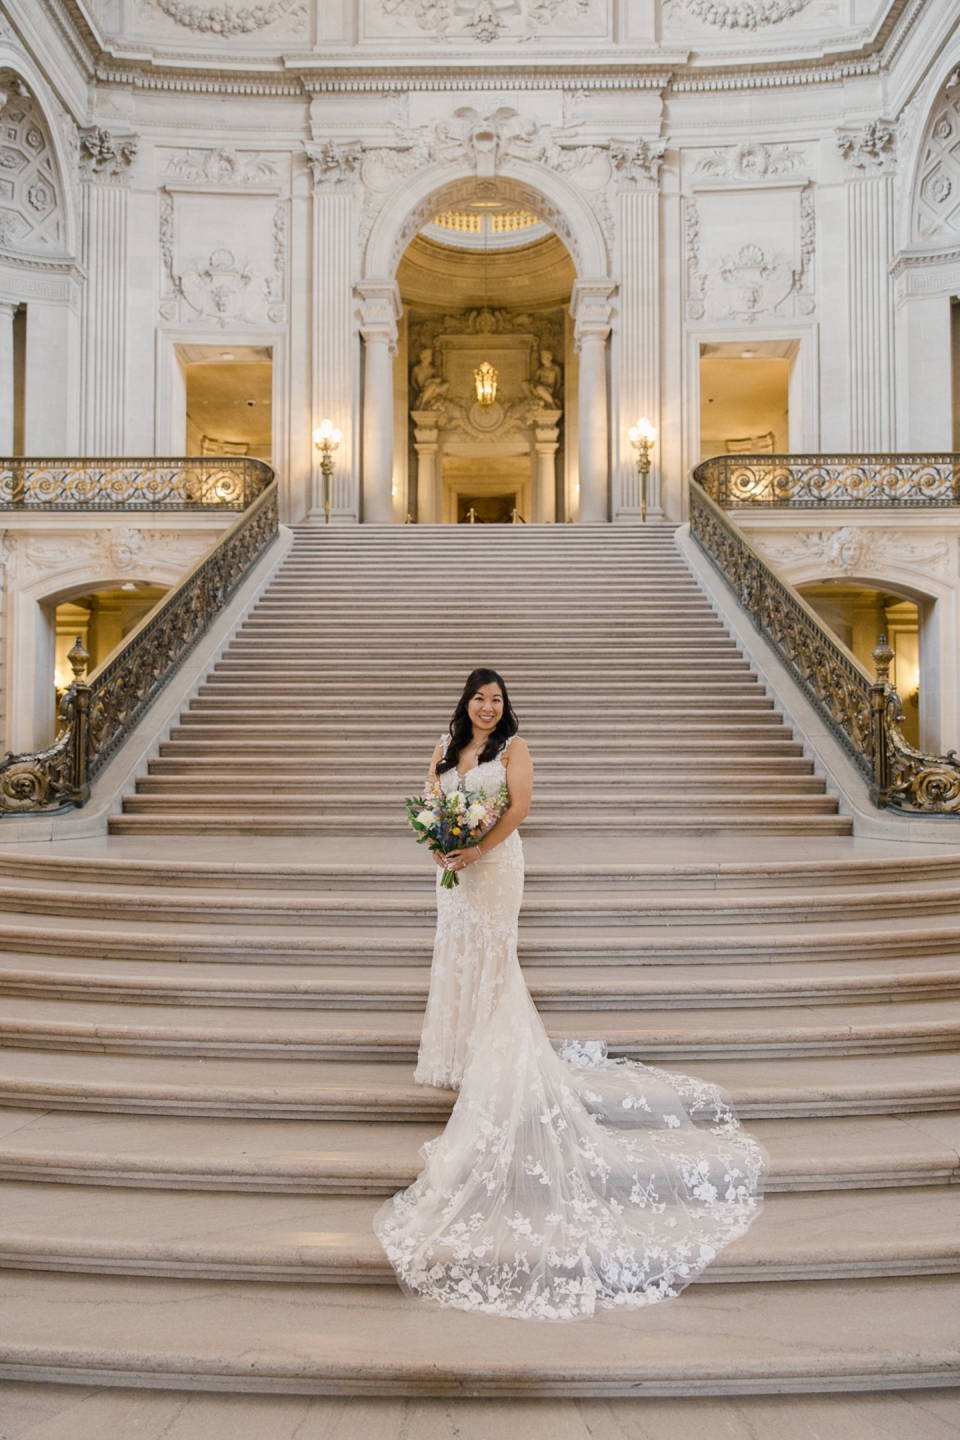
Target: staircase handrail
{"points": [[96, 714], [208, 482], [844, 481], [864, 713]]}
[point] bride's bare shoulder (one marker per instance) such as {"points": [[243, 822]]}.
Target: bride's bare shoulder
{"points": [[517, 748]]}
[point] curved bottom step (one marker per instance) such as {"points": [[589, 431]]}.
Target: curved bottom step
{"points": [[367, 1341]]}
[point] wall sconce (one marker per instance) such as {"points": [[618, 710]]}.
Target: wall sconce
{"points": [[642, 436], [326, 437], [485, 378]]}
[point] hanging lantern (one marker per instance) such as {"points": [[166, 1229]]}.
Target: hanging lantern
{"points": [[485, 379]]}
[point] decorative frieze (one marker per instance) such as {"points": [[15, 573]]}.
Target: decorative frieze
{"points": [[869, 150], [760, 278], [486, 20], [743, 14], [220, 287], [228, 21], [105, 156], [855, 550], [114, 551], [224, 166], [751, 161], [335, 164]]}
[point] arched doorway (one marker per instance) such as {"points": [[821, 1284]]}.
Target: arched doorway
{"points": [[414, 212], [485, 344]]}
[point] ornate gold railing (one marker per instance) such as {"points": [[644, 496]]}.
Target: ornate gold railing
{"points": [[98, 713], [864, 713], [737, 481], [210, 482]]}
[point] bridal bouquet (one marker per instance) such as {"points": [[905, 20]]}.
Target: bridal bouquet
{"points": [[455, 821]]}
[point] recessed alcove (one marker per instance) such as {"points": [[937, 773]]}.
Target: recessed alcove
{"points": [[485, 283], [229, 399], [745, 396], [100, 619], [858, 614]]}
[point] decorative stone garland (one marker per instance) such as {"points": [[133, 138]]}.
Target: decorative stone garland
{"points": [[744, 14], [224, 19]]}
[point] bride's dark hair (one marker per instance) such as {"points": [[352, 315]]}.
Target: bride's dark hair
{"points": [[461, 726]]}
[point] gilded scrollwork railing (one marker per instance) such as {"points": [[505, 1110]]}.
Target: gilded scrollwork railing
{"points": [[845, 481], [202, 482], [98, 713], [865, 714]]}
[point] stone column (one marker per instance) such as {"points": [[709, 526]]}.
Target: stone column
{"points": [[7, 311], [545, 490], [639, 348], [380, 310], [105, 165], [335, 371], [868, 154], [591, 311], [426, 437]]}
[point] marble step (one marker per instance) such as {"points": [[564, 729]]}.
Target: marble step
{"points": [[787, 770], [381, 905], [405, 987], [305, 703], [325, 1238], [356, 944], [642, 806], [693, 662], [370, 1340], [608, 753], [294, 683], [317, 715], [203, 867], [327, 786], [276, 1089], [689, 1035], [344, 1157], [196, 822]]}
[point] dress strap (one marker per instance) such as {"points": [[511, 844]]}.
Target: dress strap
{"points": [[507, 743], [444, 741]]}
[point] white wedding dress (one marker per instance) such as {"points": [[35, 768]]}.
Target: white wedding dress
{"points": [[564, 1180]]}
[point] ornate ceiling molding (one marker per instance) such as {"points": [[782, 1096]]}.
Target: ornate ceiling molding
{"points": [[292, 74]]}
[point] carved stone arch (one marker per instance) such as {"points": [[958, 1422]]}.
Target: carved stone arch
{"points": [[413, 204], [36, 211], [934, 212]]}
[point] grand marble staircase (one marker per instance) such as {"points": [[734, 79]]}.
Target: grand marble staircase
{"points": [[643, 714], [209, 1018]]}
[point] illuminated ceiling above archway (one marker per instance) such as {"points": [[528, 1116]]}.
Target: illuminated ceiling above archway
{"points": [[481, 227]]}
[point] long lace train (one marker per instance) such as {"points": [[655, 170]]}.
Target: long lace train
{"points": [[564, 1180]]}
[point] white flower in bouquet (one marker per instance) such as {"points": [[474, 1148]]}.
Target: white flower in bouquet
{"points": [[476, 814], [427, 819]]}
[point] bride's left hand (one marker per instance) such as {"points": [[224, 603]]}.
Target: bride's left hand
{"points": [[460, 859]]}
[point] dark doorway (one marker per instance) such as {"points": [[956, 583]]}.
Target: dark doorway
{"points": [[488, 509]]}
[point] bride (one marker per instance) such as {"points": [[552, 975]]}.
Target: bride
{"points": [[564, 1180]]}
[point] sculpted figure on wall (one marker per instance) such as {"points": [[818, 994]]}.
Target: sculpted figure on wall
{"points": [[429, 387], [545, 385]]}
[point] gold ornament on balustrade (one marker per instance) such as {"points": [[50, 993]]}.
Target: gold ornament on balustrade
{"points": [[806, 481], [214, 482]]}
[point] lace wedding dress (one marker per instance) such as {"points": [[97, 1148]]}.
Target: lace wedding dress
{"points": [[564, 1180]]}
